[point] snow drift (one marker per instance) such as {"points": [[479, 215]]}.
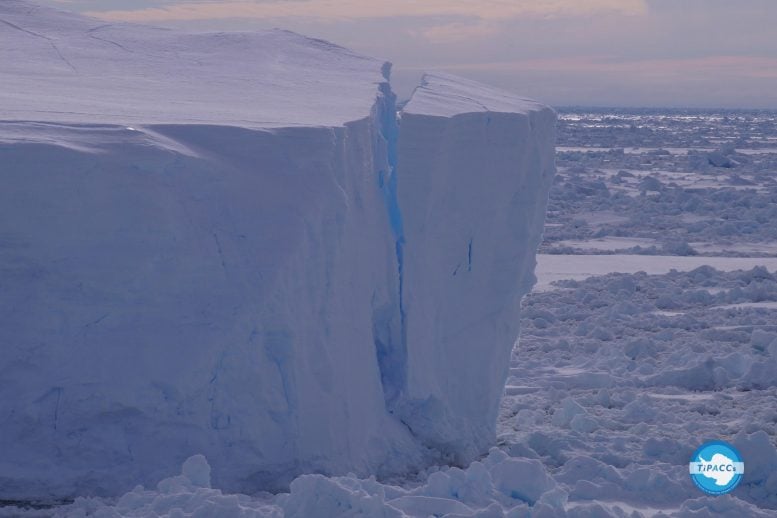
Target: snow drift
{"points": [[226, 244]]}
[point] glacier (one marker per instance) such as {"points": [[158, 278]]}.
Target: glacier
{"points": [[231, 244]]}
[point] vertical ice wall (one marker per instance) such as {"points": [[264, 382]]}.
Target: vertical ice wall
{"points": [[475, 166], [156, 304]]}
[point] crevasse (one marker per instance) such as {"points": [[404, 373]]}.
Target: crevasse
{"points": [[392, 356]]}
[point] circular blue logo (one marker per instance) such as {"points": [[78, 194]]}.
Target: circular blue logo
{"points": [[717, 468]]}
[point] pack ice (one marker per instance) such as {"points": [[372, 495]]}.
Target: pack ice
{"points": [[231, 244]]}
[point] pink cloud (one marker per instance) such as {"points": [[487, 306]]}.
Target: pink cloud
{"points": [[741, 66], [355, 9], [455, 32]]}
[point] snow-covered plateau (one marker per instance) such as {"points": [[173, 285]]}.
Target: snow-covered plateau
{"points": [[233, 245]]}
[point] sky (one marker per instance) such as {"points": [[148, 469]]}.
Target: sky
{"points": [[678, 53]]}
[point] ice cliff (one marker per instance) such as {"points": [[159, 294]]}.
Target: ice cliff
{"points": [[230, 244], [475, 166]]}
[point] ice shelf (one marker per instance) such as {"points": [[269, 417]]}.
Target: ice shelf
{"points": [[227, 244]]}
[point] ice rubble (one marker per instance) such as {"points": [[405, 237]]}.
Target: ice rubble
{"points": [[223, 244], [660, 384], [640, 182], [499, 485], [485, 489]]}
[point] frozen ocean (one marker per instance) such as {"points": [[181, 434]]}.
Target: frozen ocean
{"points": [[267, 291]]}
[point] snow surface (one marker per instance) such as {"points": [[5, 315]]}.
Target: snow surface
{"points": [[207, 248], [64, 68], [445, 95]]}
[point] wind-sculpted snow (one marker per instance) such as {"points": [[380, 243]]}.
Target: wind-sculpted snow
{"points": [[222, 244]]}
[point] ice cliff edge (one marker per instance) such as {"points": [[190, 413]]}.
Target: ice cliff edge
{"points": [[228, 244]]}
